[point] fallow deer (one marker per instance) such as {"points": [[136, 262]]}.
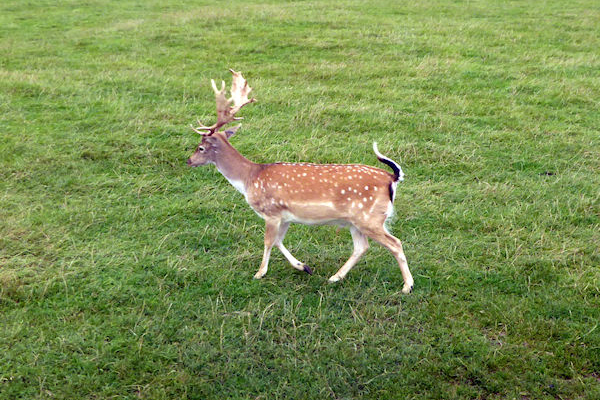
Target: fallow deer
{"points": [[356, 196]]}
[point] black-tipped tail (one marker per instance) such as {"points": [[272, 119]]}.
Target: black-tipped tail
{"points": [[398, 174]]}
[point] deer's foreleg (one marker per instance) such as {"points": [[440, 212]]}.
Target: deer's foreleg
{"points": [[271, 231], [361, 244], [293, 261]]}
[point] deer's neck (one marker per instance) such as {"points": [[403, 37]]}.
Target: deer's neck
{"points": [[236, 168]]}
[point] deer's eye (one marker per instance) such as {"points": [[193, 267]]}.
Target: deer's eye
{"points": [[201, 148]]}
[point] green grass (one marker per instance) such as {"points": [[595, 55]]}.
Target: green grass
{"points": [[125, 274]]}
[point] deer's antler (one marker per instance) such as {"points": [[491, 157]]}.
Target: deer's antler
{"points": [[225, 111]]}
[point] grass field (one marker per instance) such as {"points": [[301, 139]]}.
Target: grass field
{"points": [[125, 274]]}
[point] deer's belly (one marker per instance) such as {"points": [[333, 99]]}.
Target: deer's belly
{"points": [[302, 212], [308, 220]]}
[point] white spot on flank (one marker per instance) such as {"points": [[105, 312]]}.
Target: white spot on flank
{"points": [[343, 191], [360, 205], [366, 188]]}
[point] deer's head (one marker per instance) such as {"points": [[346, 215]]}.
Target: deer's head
{"points": [[214, 141], [211, 147]]}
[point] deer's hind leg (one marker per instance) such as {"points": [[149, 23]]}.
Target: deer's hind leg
{"points": [[380, 234]]}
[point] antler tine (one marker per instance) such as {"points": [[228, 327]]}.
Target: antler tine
{"points": [[198, 131], [214, 86], [201, 128]]}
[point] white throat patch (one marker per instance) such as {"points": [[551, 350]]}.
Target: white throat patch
{"points": [[239, 185]]}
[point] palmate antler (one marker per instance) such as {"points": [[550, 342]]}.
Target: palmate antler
{"points": [[226, 112]]}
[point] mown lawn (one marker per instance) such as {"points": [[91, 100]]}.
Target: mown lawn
{"points": [[126, 274]]}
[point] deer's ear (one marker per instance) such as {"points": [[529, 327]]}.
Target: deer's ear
{"points": [[231, 131]]}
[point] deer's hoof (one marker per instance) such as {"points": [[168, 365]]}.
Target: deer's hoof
{"points": [[259, 275], [307, 269], [334, 279], [407, 289]]}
